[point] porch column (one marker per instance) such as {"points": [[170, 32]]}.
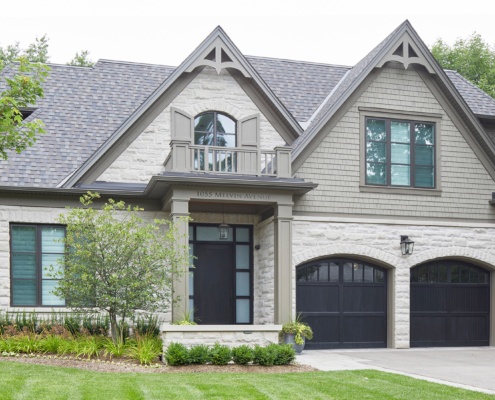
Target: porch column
{"points": [[180, 208], [283, 264]]}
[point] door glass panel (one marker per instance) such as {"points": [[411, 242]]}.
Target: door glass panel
{"points": [[442, 274], [358, 272], [379, 276], [243, 311], [242, 256], [242, 284], [323, 272], [191, 283], [210, 234], [242, 234], [368, 273], [225, 124], [334, 272], [312, 273], [347, 272]]}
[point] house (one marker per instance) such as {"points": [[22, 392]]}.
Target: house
{"points": [[317, 172]]}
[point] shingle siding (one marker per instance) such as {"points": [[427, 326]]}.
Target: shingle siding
{"points": [[335, 164]]}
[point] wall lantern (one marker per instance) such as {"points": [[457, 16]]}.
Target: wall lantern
{"points": [[406, 245], [223, 231]]}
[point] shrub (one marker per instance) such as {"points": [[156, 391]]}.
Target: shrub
{"points": [[220, 354], [242, 354], [145, 349], [50, 343], [177, 354], [114, 349], [199, 354], [285, 354], [89, 346], [149, 326], [26, 343], [96, 324], [265, 355], [73, 323]]}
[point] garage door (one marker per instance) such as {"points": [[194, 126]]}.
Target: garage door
{"points": [[345, 303], [450, 304]]}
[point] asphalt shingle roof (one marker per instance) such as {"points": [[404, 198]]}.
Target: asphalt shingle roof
{"points": [[83, 107]]}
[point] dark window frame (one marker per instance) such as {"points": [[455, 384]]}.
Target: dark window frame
{"points": [[412, 152], [215, 130], [38, 261]]}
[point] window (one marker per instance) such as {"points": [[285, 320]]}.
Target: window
{"points": [[35, 249], [214, 129], [400, 153]]}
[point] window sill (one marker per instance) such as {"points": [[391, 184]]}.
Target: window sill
{"points": [[403, 191]]}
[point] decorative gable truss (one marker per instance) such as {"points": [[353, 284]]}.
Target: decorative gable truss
{"points": [[218, 56], [406, 52]]}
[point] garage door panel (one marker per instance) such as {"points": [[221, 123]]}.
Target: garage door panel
{"points": [[364, 299], [470, 328], [428, 329], [428, 298], [450, 308], [325, 328], [346, 305], [361, 329], [470, 298], [318, 298]]}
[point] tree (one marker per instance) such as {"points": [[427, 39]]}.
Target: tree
{"points": [[81, 60], [22, 88], [117, 262], [473, 58]]}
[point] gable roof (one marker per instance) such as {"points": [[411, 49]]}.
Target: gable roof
{"points": [[387, 50], [83, 107], [209, 53], [80, 108]]}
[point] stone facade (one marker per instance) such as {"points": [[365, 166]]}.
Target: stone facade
{"points": [[379, 244], [208, 91]]}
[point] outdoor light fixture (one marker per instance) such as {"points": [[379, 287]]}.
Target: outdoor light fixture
{"points": [[223, 229], [406, 245]]}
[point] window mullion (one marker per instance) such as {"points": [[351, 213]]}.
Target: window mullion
{"points": [[389, 151], [412, 159]]}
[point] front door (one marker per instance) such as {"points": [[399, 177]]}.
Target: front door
{"points": [[221, 281], [213, 277]]}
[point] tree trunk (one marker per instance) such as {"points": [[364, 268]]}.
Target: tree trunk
{"points": [[113, 326]]}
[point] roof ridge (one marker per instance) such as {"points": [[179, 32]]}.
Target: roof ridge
{"points": [[301, 61], [105, 60]]}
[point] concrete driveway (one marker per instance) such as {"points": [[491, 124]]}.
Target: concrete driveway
{"points": [[468, 367]]}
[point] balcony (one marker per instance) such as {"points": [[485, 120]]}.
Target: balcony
{"points": [[185, 157]]}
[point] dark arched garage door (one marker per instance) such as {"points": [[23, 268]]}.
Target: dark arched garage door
{"points": [[450, 305], [345, 303]]}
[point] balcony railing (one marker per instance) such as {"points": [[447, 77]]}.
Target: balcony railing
{"points": [[185, 157]]}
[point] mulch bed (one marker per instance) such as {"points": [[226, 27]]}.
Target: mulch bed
{"points": [[127, 366]]}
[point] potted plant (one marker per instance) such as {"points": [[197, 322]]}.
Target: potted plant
{"points": [[296, 333]]}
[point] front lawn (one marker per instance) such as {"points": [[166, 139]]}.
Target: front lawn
{"points": [[27, 381]]}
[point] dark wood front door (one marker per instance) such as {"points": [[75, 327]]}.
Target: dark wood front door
{"points": [[213, 284]]}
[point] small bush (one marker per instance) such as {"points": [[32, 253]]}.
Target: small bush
{"points": [[50, 344], [242, 355], [149, 326], [145, 349], [220, 354], [89, 346], [199, 354], [177, 354], [285, 354], [114, 349], [73, 323], [96, 324], [265, 355]]}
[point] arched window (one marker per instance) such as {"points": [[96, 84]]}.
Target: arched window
{"points": [[214, 129]]}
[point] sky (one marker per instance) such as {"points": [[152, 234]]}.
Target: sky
{"points": [[166, 32]]}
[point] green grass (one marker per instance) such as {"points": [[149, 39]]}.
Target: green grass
{"points": [[28, 381]]}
